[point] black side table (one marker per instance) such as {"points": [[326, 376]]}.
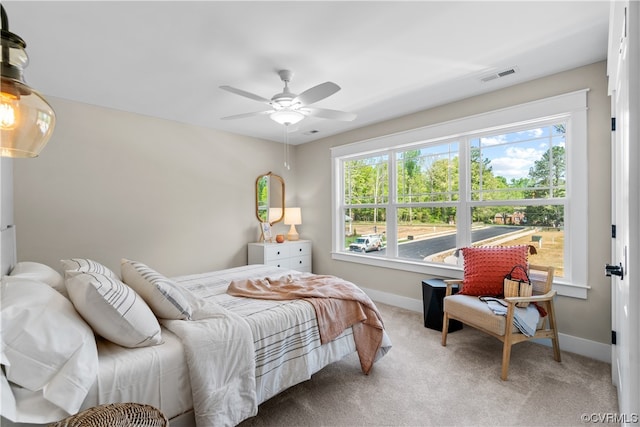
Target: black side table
{"points": [[433, 292]]}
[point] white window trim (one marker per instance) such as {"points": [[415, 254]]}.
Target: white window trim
{"points": [[574, 103]]}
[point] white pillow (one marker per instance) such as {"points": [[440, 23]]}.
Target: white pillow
{"points": [[163, 295], [40, 273], [46, 345], [87, 266], [114, 310]]}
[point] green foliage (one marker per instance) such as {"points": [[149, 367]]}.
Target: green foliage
{"points": [[434, 178]]}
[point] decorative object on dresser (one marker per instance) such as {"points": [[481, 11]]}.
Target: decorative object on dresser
{"points": [[295, 255], [265, 232], [293, 217]]}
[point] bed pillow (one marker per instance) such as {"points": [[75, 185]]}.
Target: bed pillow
{"points": [[114, 310], [40, 273], [85, 265], [47, 347], [486, 266], [162, 295]]}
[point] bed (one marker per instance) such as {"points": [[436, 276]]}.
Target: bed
{"points": [[214, 368]]}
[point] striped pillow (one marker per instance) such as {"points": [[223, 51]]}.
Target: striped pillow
{"points": [[112, 309], [87, 266], [163, 295]]}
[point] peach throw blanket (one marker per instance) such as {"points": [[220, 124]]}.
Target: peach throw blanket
{"points": [[337, 302]]}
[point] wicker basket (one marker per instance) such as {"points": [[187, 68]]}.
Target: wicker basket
{"points": [[116, 415]]}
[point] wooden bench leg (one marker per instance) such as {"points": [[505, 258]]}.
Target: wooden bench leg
{"points": [[506, 357], [445, 329], [506, 349], [552, 324]]}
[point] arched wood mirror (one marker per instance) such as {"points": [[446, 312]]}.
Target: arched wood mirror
{"points": [[270, 198]]}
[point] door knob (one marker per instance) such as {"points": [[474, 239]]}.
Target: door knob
{"points": [[615, 270]]}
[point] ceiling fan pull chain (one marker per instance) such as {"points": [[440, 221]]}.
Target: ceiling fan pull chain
{"points": [[286, 147]]}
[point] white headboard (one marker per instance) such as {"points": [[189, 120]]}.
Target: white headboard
{"points": [[8, 249]]}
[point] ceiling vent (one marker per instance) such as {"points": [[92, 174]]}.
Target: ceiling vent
{"points": [[503, 73]]}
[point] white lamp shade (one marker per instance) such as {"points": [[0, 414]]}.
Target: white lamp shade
{"points": [[275, 214], [292, 216], [287, 117]]}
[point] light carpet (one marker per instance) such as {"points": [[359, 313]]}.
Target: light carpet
{"points": [[421, 383]]}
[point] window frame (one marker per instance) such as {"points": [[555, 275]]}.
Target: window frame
{"points": [[570, 107]]}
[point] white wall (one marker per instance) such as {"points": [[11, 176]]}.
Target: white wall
{"points": [[590, 319], [6, 192], [7, 254], [111, 184]]}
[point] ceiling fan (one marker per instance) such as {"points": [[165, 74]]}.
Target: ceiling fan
{"points": [[287, 108]]}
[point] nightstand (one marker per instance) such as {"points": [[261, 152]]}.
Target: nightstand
{"points": [[295, 255], [433, 291]]}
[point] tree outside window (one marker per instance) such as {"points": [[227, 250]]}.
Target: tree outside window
{"points": [[507, 187]]}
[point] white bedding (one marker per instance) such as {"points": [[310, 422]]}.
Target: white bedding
{"points": [[285, 333], [235, 354], [124, 376], [219, 352]]}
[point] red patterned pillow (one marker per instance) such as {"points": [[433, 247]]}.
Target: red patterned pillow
{"points": [[486, 266]]}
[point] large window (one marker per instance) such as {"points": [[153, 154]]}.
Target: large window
{"points": [[410, 200]]}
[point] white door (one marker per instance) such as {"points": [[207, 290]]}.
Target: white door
{"points": [[624, 87]]}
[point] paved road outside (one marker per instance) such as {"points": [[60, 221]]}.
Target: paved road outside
{"points": [[420, 249]]}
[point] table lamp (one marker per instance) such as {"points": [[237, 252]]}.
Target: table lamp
{"points": [[293, 217]]}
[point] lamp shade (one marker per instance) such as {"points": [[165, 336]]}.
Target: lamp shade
{"points": [[292, 216], [26, 119], [275, 214], [287, 117]]}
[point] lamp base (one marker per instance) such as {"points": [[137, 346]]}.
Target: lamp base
{"points": [[293, 233]]}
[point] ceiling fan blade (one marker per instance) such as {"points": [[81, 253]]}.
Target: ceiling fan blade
{"points": [[324, 113], [317, 93], [245, 94], [245, 115]]}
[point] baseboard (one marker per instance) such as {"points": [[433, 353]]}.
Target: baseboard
{"points": [[570, 343]]}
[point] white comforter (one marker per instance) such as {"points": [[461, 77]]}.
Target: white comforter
{"points": [[220, 355], [284, 346]]}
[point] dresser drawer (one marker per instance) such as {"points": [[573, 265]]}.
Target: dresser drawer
{"points": [[282, 263], [276, 252], [300, 249], [292, 255], [300, 263]]}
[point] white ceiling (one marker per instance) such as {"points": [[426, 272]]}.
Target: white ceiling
{"points": [[167, 59]]}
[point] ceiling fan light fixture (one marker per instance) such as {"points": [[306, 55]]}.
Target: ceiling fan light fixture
{"points": [[287, 108], [287, 117]]}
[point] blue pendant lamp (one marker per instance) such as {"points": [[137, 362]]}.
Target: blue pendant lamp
{"points": [[26, 119]]}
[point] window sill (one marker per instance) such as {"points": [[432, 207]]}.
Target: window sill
{"points": [[447, 271]]}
